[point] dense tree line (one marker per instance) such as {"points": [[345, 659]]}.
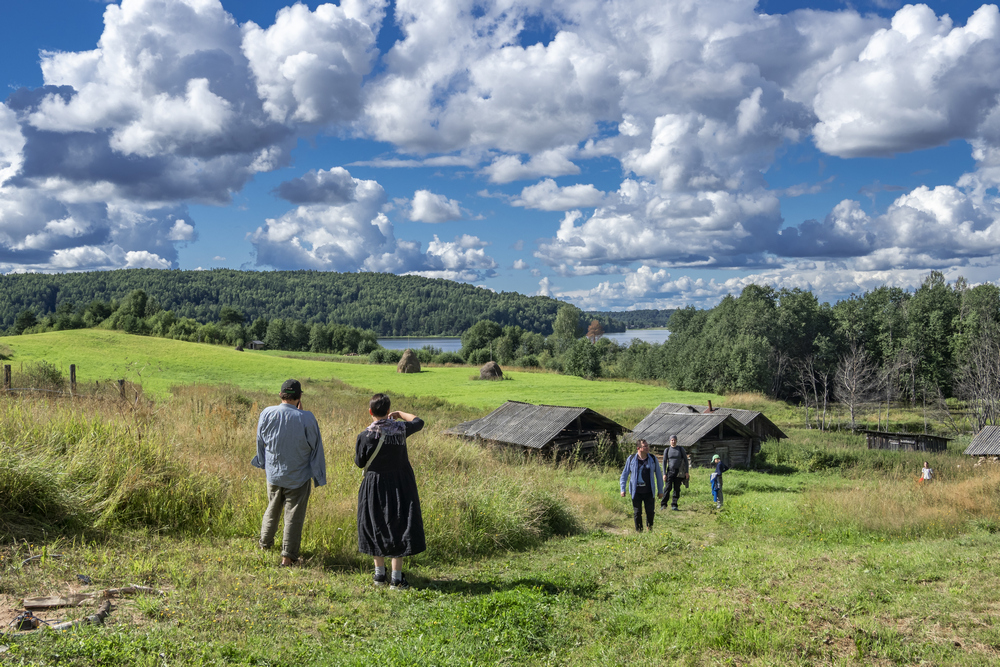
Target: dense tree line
{"points": [[886, 345], [876, 348], [140, 314], [387, 304], [635, 319]]}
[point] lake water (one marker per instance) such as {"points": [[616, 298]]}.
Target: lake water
{"points": [[443, 344], [648, 335], [455, 344]]}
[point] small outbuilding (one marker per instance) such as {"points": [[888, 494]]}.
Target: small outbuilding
{"points": [[256, 345], [986, 442], [908, 442], [549, 428], [702, 435], [763, 428]]}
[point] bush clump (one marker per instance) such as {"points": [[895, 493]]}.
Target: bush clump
{"points": [[448, 358], [384, 356]]}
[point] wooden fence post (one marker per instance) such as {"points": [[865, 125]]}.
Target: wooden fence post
{"points": [[121, 388], [6, 378], [72, 379]]}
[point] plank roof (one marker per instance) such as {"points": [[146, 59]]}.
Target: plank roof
{"points": [[689, 427], [986, 442], [531, 425], [744, 417]]}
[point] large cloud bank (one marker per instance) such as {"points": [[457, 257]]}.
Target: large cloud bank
{"points": [[694, 100]]}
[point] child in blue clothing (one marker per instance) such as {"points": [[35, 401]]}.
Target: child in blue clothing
{"points": [[716, 480]]}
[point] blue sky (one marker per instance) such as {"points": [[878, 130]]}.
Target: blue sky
{"points": [[636, 154]]}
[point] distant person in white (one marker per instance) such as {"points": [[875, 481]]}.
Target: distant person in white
{"points": [[926, 473], [290, 450]]}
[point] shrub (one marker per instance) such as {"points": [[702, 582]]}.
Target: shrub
{"points": [[449, 358], [40, 375], [583, 359], [479, 357], [384, 356], [529, 361]]}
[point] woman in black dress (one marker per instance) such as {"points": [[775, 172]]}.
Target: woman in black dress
{"points": [[389, 520]]}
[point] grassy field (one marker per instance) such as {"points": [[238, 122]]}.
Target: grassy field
{"points": [[826, 553], [160, 364]]}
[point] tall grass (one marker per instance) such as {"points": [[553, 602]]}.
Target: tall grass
{"points": [[76, 465], [183, 467], [843, 492]]}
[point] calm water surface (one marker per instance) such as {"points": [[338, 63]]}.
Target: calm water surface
{"points": [[455, 344]]}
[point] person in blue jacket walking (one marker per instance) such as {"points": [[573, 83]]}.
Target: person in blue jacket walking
{"points": [[716, 480], [641, 470]]}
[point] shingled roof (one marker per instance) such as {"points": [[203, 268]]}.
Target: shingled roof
{"points": [[986, 442], [689, 427], [531, 425], [766, 428]]}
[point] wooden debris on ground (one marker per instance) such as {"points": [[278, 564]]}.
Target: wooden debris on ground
{"points": [[80, 599]]}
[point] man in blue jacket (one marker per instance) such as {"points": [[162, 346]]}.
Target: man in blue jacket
{"points": [[290, 450], [640, 471]]}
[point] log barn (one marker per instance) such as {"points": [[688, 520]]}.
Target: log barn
{"points": [[763, 428], [909, 442], [548, 428], [702, 435]]}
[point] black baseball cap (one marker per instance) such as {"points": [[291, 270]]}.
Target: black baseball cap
{"points": [[292, 387]]}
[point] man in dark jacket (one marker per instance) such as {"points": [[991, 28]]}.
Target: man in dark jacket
{"points": [[675, 471]]}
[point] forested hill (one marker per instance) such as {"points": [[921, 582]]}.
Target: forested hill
{"points": [[639, 319], [388, 304]]}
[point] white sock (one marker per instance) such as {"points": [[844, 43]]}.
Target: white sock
{"points": [[397, 575], [379, 571]]}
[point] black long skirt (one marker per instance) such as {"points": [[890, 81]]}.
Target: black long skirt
{"points": [[389, 519]]}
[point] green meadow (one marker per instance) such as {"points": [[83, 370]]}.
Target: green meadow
{"points": [[161, 364], [825, 553]]}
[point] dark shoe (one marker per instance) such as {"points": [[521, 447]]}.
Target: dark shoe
{"points": [[674, 508], [401, 585], [650, 528], [379, 579]]}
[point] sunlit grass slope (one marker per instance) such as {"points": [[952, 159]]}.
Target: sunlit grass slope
{"points": [[161, 364]]}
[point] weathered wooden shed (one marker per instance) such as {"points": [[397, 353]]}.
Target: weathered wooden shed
{"points": [[986, 442], [756, 421], [256, 345], [909, 442], [702, 435], [549, 428]]}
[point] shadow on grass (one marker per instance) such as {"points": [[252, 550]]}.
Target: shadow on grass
{"points": [[777, 469], [469, 588]]}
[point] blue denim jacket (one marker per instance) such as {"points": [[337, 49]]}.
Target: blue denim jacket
{"points": [[631, 472], [289, 447]]}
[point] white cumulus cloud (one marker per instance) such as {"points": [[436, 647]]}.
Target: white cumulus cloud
{"points": [[547, 196], [429, 207]]}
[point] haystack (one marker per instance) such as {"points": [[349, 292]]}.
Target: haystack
{"points": [[408, 363], [490, 371]]}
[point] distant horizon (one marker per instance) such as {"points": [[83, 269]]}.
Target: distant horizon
{"points": [[635, 156]]}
